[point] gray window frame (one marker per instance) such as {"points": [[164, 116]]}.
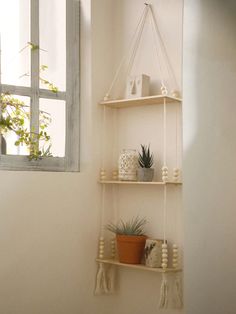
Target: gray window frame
{"points": [[71, 160]]}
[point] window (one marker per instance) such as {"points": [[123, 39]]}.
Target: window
{"points": [[39, 85]]}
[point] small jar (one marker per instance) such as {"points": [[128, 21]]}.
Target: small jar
{"points": [[128, 165]]}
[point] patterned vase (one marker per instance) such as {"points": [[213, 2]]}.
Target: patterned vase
{"points": [[128, 165]]}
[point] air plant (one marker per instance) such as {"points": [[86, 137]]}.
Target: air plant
{"points": [[133, 227]]}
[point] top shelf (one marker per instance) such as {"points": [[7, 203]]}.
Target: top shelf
{"points": [[143, 101]]}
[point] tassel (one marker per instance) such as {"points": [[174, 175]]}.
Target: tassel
{"points": [[112, 270], [163, 302], [111, 278], [101, 282], [178, 298]]}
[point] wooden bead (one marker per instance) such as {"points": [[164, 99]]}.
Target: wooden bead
{"points": [[164, 168], [102, 174], [164, 246], [164, 265], [165, 260], [175, 265], [115, 175], [175, 93], [164, 255], [163, 90]]}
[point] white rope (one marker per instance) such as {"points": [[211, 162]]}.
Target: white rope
{"points": [[101, 285], [103, 134], [164, 213], [177, 294], [157, 50], [164, 50], [177, 136], [163, 302], [164, 132], [137, 43], [102, 211], [130, 49]]}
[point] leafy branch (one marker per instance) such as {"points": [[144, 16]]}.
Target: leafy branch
{"points": [[15, 117]]}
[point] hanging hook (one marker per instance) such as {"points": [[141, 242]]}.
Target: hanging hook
{"points": [[146, 3]]}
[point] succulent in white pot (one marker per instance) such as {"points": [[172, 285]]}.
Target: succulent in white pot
{"points": [[145, 160]]}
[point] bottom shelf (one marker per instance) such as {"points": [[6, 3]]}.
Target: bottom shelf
{"points": [[138, 266]]}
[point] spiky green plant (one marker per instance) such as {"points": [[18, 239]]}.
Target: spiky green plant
{"points": [[133, 227], [145, 159]]}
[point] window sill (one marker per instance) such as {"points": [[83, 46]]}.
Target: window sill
{"points": [[22, 163]]}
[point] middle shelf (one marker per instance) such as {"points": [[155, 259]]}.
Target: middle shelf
{"points": [[139, 182]]}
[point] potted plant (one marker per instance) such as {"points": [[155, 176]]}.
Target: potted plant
{"points": [[130, 239], [145, 160]]}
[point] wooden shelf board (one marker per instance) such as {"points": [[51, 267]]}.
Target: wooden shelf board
{"points": [[138, 266], [138, 182], [142, 101]]}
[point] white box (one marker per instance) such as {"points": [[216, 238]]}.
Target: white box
{"points": [[137, 86], [153, 253]]}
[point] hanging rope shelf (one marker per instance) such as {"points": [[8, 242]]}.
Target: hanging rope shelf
{"points": [[163, 61], [106, 275]]}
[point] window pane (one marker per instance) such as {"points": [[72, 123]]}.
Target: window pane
{"points": [[55, 109], [16, 113], [15, 38], [53, 43]]}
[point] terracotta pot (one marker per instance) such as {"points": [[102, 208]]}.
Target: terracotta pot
{"points": [[130, 248]]}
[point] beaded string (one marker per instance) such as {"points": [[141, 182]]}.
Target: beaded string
{"points": [[164, 178], [103, 171], [176, 170]]}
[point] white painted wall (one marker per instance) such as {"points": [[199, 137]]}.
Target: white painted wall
{"points": [[209, 156], [49, 222]]}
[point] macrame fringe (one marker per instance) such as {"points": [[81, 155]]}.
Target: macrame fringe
{"points": [[164, 291], [178, 297], [101, 281], [163, 303], [111, 279]]}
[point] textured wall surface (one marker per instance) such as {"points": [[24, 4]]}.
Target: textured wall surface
{"points": [[209, 156], [49, 222]]}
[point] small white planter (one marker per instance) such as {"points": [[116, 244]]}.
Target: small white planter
{"points": [[145, 174]]}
